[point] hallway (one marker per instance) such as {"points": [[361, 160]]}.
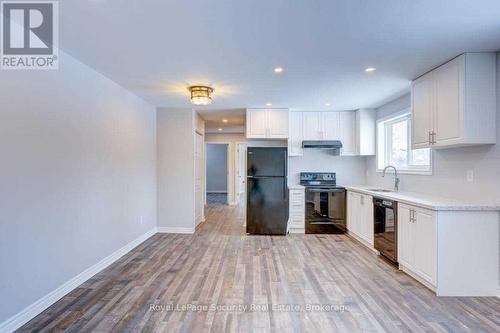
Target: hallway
{"points": [[217, 198], [240, 283]]}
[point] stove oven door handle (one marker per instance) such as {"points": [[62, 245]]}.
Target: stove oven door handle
{"points": [[325, 190]]}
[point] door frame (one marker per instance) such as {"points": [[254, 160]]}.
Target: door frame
{"points": [[228, 165], [203, 177], [240, 145]]}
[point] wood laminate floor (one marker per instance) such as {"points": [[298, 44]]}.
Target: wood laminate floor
{"points": [[317, 283], [217, 198]]}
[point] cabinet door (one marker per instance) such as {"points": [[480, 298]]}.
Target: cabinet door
{"points": [[351, 211], [448, 116], [348, 132], [295, 134], [366, 220], [406, 237], [422, 92], [331, 126], [277, 123], [311, 122], [256, 123], [425, 245]]}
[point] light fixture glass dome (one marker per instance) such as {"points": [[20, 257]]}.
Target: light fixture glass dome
{"points": [[201, 95]]}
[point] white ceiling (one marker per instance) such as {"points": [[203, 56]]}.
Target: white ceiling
{"points": [[235, 118], [156, 48]]}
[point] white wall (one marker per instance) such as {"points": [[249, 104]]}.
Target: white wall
{"points": [[176, 202], [350, 169], [451, 165], [77, 171], [217, 168]]}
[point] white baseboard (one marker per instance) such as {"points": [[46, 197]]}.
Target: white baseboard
{"points": [[175, 230], [362, 241], [30, 312], [419, 279]]}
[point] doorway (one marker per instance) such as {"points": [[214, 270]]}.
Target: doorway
{"points": [[241, 172], [217, 173]]}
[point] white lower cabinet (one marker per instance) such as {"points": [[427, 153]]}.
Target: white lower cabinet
{"points": [[452, 252], [297, 210], [417, 242], [360, 216]]}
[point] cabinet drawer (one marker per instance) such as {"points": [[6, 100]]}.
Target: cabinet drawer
{"points": [[297, 209], [297, 200], [297, 220], [297, 193]]}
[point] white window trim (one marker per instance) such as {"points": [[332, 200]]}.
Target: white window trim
{"points": [[414, 171]]}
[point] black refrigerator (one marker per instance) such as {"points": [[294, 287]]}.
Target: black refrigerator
{"points": [[267, 191]]}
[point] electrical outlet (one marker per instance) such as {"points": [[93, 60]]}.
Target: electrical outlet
{"points": [[470, 176]]}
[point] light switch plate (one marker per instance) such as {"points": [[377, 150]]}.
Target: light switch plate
{"points": [[470, 175]]}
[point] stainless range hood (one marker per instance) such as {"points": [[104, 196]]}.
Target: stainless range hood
{"points": [[334, 145]]}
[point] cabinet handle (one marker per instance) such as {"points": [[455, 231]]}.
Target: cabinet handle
{"points": [[430, 138], [433, 138]]}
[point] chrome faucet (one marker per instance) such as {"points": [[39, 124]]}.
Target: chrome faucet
{"points": [[396, 178]]}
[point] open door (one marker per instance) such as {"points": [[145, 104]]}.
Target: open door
{"points": [[241, 153]]}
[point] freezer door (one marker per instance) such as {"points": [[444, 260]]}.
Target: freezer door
{"points": [[267, 206], [266, 162]]}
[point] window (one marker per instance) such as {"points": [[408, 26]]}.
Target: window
{"points": [[394, 146]]}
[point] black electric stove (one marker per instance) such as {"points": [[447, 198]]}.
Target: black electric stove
{"points": [[325, 203]]}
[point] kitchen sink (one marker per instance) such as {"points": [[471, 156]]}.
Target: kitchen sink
{"points": [[380, 190]]}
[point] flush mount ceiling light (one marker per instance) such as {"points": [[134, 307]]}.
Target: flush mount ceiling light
{"points": [[327, 104], [224, 120], [370, 69], [278, 69], [201, 95], [269, 104], [219, 129]]}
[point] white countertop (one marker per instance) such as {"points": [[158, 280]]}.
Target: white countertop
{"points": [[427, 201]]}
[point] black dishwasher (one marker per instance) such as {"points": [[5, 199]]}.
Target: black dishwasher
{"points": [[386, 228]]}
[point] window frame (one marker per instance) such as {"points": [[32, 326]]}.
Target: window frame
{"points": [[385, 147]]}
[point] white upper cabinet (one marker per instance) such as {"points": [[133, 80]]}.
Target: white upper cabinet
{"points": [[455, 104], [267, 124], [422, 106], [312, 129], [295, 135], [257, 123], [366, 131], [348, 133], [278, 123], [330, 125], [448, 122], [321, 125], [355, 129]]}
